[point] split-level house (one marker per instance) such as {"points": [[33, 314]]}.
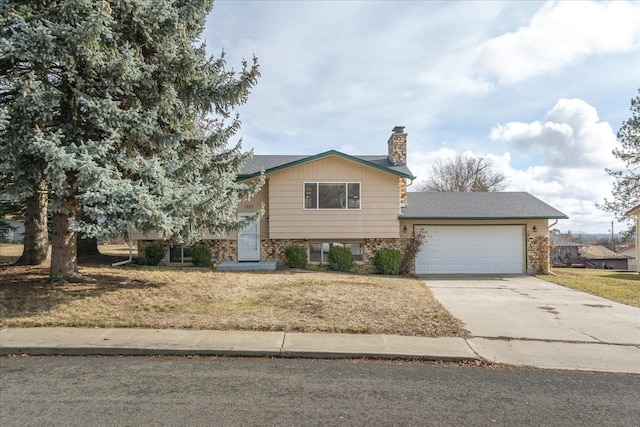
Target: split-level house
{"points": [[362, 202]]}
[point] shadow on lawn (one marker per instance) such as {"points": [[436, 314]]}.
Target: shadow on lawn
{"points": [[623, 276], [26, 290]]}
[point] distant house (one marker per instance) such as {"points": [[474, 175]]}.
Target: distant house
{"points": [[636, 212], [567, 254], [630, 251], [361, 202], [15, 234], [597, 256]]}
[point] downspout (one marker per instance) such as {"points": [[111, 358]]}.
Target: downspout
{"points": [[400, 207], [126, 261], [550, 261]]}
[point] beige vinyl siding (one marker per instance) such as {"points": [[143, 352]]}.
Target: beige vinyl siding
{"points": [[252, 205], [379, 202]]}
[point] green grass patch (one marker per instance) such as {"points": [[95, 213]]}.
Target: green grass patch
{"points": [[620, 287]]}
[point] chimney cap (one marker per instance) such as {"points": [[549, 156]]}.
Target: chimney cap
{"points": [[398, 129]]}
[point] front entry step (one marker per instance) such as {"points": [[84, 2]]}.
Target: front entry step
{"points": [[269, 265]]}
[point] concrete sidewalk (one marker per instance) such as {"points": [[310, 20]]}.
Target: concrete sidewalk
{"points": [[120, 341]]}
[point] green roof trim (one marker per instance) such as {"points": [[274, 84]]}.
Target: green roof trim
{"points": [[315, 157]]}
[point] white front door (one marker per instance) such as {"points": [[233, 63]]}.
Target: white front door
{"points": [[249, 240]]}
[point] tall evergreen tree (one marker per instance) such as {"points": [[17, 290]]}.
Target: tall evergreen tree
{"points": [[626, 187], [101, 99]]}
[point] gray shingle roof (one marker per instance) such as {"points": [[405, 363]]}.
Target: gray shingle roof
{"points": [[492, 205], [268, 163]]}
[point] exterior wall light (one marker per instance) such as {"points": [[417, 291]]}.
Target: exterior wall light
{"points": [[535, 229], [404, 230]]}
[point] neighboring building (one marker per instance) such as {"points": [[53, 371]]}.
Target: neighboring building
{"points": [[630, 251], [597, 256], [16, 232], [635, 212], [362, 202], [571, 254]]}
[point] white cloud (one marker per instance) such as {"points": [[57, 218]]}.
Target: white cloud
{"points": [[559, 34], [571, 135], [575, 147], [453, 84]]}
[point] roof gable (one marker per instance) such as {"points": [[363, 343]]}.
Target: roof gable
{"points": [[272, 163], [633, 211], [477, 205]]}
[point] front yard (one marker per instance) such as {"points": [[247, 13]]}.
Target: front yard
{"points": [[620, 287], [175, 297]]}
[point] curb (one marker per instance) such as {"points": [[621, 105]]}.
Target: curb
{"points": [[160, 342]]}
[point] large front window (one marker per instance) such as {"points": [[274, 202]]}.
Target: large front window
{"points": [[332, 195]]}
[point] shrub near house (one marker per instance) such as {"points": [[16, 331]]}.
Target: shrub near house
{"points": [[296, 256], [388, 261]]}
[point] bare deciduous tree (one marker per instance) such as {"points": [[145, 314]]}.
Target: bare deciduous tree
{"points": [[464, 173]]}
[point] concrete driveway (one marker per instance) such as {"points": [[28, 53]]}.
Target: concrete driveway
{"points": [[525, 320]]}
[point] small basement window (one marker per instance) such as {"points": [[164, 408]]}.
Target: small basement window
{"points": [[319, 252], [180, 254]]}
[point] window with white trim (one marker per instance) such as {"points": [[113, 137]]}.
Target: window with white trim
{"points": [[319, 252], [332, 195], [180, 254]]}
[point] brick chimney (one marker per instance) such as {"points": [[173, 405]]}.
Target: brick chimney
{"points": [[397, 146]]}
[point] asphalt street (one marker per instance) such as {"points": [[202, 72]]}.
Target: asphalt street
{"points": [[74, 391]]}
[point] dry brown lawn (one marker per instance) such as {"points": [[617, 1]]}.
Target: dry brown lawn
{"points": [[174, 297]]}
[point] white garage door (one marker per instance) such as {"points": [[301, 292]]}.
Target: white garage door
{"points": [[493, 249]]}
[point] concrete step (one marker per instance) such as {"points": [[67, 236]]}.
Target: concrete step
{"points": [[248, 265]]}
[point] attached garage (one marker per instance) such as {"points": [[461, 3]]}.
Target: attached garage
{"points": [[471, 249], [479, 233]]}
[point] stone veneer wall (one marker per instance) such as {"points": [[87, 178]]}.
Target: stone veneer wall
{"points": [[402, 184], [227, 249], [397, 146], [537, 254]]}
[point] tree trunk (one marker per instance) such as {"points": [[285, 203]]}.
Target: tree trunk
{"points": [[64, 244], [87, 246], [36, 239]]}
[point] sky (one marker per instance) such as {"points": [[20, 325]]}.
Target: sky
{"points": [[540, 89]]}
